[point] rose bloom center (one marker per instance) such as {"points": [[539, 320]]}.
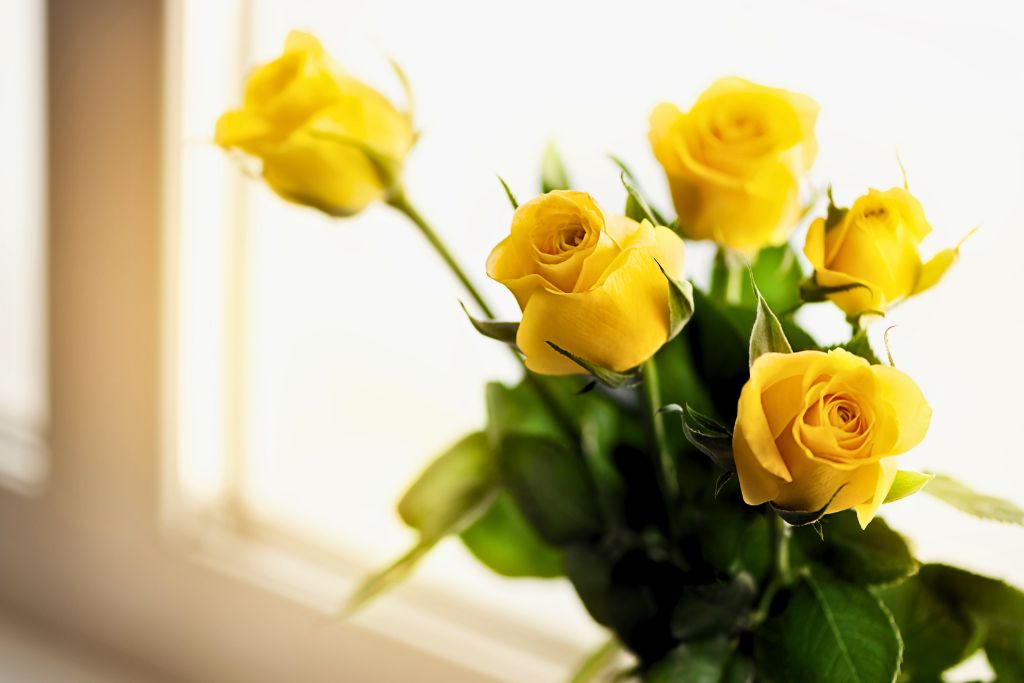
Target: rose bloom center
{"points": [[565, 238], [843, 413], [739, 125]]}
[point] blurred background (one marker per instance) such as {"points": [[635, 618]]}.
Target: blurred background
{"points": [[210, 400]]}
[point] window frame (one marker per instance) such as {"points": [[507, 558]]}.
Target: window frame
{"points": [[24, 447], [106, 554]]}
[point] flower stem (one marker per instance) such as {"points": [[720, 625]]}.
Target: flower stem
{"points": [[400, 202], [780, 538], [562, 417], [666, 468], [734, 266], [781, 573]]}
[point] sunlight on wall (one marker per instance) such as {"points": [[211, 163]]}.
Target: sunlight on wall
{"points": [[356, 365]]}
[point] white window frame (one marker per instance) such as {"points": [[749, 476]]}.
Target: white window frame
{"points": [[109, 553], [24, 452]]}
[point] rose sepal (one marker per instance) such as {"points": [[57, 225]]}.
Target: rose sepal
{"points": [[805, 517], [708, 436], [499, 331], [680, 303], [610, 378], [767, 335], [907, 484]]}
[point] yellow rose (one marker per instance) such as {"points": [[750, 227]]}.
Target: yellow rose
{"points": [[869, 255], [325, 139], [735, 161], [586, 281], [812, 422]]}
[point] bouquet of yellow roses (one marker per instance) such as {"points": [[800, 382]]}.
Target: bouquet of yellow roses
{"points": [[705, 474]]}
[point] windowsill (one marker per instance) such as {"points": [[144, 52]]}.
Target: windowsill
{"points": [[24, 458], [419, 614]]}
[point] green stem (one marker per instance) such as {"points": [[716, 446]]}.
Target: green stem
{"points": [[400, 202], [781, 574], [564, 420], [598, 663], [734, 288], [666, 468], [733, 264], [780, 537]]}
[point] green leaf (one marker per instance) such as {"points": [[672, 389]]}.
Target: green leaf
{"points": [[449, 495], [709, 437], [829, 630], [767, 335], [989, 599], [734, 540], [710, 661], [798, 338], [552, 487], [719, 336], [967, 500], [508, 193], [720, 344], [609, 378], [874, 555], [599, 664], [861, 346], [452, 490], [553, 175], [806, 517], [812, 292], [723, 480], [637, 207], [740, 669], [835, 214], [633, 209], [777, 272], [729, 281], [505, 542], [906, 484], [997, 606], [1004, 648], [756, 549], [599, 435], [936, 634], [518, 411], [681, 382], [622, 167], [503, 332], [680, 303], [711, 609], [403, 79], [384, 580], [621, 597]]}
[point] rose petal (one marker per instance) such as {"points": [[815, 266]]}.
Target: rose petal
{"points": [[887, 468], [912, 414], [617, 325], [815, 481]]}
